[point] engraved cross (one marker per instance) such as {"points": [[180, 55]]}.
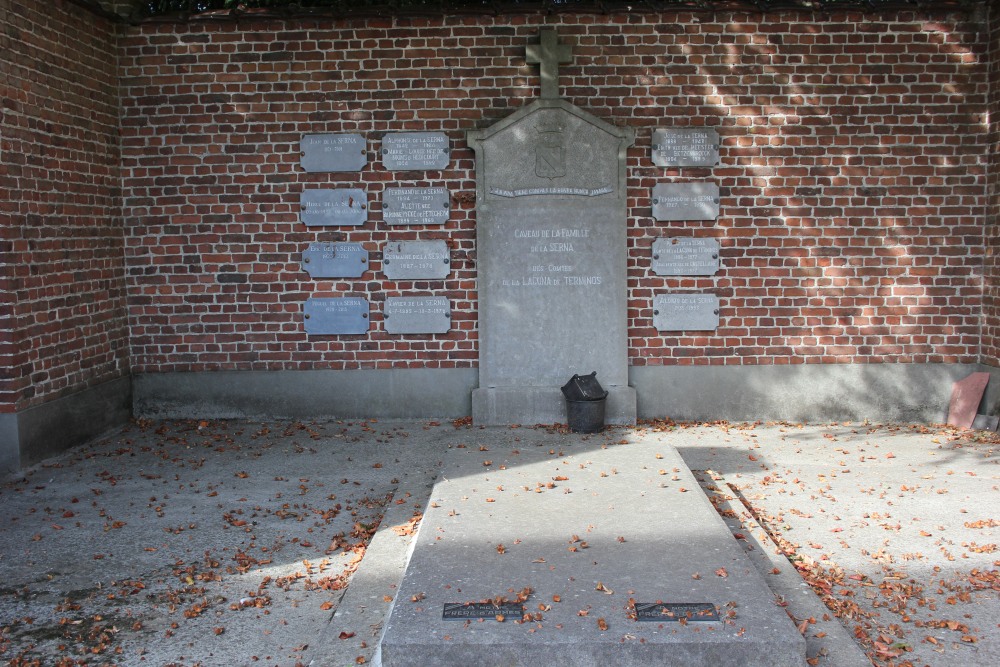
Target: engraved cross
{"points": [[549, 53]]}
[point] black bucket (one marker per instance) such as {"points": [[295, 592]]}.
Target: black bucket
{"points": [[584, 388], [586, 416]]}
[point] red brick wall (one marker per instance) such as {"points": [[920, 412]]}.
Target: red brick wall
{"points": [[62, 290], [991, 296], [852, 178]]}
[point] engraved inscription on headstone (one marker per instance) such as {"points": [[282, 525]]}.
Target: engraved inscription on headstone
{"points": [[416, 206], [416, 315], [416, 260], [686, 312], [335, 260], [340, 206], [685, 257], [343, 315], [685, 201], [333, 152], [461, 611], [407, 151], [685, 147], [675, 611]]}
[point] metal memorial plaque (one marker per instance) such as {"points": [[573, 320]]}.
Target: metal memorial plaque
{"points": [[333, 152], [461, 611], [336, 207], [410, 151], [675, 611], [686, 312], [335, 260], [344, 315], [416, 315], [416, 206], [685, 257], [416, 260], [686, 147], [685, 201]]}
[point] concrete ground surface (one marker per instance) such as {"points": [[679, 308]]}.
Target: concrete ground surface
{"points": [[244, 543]]}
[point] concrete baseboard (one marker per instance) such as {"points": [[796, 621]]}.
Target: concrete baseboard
{"points": [[502, 406]]}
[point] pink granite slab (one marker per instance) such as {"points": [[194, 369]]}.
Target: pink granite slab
{"points": [[965, 398]]}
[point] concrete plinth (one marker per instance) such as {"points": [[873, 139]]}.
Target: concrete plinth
{"points": [[504, 406]]}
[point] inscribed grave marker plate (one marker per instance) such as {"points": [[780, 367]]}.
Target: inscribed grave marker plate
{"points": [[333, 152], [333, 207], [417, 315], [460, 611], [335, 260], [685, 147], [675, 611], [344, 315], [407, 151], [686, 312], [685, 257], [416, 260], [685, 201], [416, 206]]}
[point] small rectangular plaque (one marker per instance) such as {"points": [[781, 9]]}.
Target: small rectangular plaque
{"points": [[416, 260], [333, 207], [685, 147], [416, 206], [333, 152], [675, 611], [461, 611], [408, 151], [685, 257], [685, 201], [335, 260], [417, 315], [343, 315], [686, 312]]}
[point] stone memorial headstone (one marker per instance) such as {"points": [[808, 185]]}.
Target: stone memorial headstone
{"points": [[685, 201], [335, 260], [686, 312], [685, 147], [333, 152], [685, 257], [333, 207], [341, 315], [416, 315], [416, 206], [416, 260], [415, 151]]}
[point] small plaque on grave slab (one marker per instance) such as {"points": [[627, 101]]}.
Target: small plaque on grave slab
{"points": [[685, 257], [344, 315], [685, 147], [335, 260], [413, 151], [461, 611], [685, 201], [333, 207], [333, 152], [416, 260], [417, 315], [416, 206], [675, 611], [686, 312]]}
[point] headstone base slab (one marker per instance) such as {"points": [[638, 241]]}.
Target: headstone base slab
{"points": [[506, 406]]}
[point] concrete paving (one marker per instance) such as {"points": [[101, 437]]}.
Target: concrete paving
{"points": [[236, 543]]}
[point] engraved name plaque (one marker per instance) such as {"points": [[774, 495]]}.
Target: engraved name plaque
{"points": [[685, 257], [416, 206], [408, 151], [686, 312], [335, 260], [675, 611], [685, 201], [337, 207], [685, 147], [416, 315], [343, 315], [416, 260], [461, 611], [333, 152]]}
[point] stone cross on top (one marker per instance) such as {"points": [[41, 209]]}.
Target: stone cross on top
{"points": [[549, 53]]}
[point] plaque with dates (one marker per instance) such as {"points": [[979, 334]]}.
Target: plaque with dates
{"points": [[333, 152], [333, 207], [415, 151], [685, 257], [416, 260], [335, 260], [416, 315], [463, 611], [416, 206], [686, 312], [676, 611], [685, 147], [685, 201], [344, 315]]}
